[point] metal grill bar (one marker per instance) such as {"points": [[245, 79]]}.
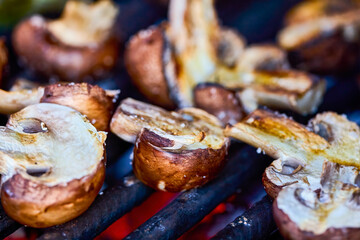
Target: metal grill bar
{"points": [[7, 225], [113, 203], [192, 206], [255, 223]]}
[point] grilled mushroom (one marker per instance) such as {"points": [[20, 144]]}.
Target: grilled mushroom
{"points": [[302, 213], [192, 48], [300, 153], [315, 178], [322, 36], [52, 165], [94, 102], [145, 56], [218, 101], [174, 151], [79, 46]]}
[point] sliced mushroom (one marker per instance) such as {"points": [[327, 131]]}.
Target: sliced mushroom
{"points": [[263, 57], [94, 102], [323, 36], [194, 34], [52, 165], [79, 46], [174, 151], [300, 214], [279, 89], [294, 146], [192, 49]]}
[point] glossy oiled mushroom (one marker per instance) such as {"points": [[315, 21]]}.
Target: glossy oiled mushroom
{"points": [[192, 48], [94, 102], [174, 151], [300, 153], [52, 164], [79, 46], [302, 213], [315, 178]]}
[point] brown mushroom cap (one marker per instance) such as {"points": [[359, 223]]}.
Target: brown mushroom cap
{"points": [[94, 102], [174, 151], [174, 170], [144, 60], [167, 62], [218, 101], [38, 145], [49, 47]]}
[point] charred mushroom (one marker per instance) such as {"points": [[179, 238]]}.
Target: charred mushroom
{"points": [[79, 46], [37, 148], [192, 48], [94, 102], [315, 178], [174, 151], [300, 153], [322, 36]]}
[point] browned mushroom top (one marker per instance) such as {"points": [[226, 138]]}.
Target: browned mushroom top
{"points": [[189, 128], [300, 152], [42, 137], [91, 100], [193, 48]]}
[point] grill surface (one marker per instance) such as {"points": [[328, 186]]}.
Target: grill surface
{"points": [[258, 21]]}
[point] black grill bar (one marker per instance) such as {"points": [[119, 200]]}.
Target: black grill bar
{"points": [[109, 206], [192, 206], [7, 225], [255, 223]]}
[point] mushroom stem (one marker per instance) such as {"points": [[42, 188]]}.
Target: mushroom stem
{"points": [[193, 33]]}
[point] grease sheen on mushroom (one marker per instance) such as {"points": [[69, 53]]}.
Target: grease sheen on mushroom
{"points": [[52, 164], [315, 177], [192, 48], [174, 151]]}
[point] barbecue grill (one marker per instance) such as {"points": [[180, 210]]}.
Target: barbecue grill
{"points": [[258, 21]]}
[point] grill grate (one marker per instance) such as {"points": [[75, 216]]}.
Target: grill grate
{"points": [[244, 164], [191, 206], [256, 223]]}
